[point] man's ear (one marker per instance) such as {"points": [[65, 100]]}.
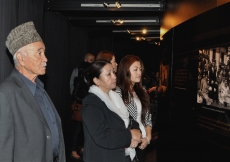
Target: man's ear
{"points": [[20, 58]]}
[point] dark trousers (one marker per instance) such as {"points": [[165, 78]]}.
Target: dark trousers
{"points": [[140, 154], [78, 136]]}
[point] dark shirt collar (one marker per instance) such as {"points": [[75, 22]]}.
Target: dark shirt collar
{"points": [[30, 84]]}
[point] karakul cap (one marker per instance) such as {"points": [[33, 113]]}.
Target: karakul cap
{"points": [[22, 35]]}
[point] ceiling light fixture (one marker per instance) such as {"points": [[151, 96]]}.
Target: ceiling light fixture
{"points": [[106, 5], [154, 20], [152, 37], [144, 31], [156, 43], [113, 21], [128, 31], [118, 4], [156, 5], [147, 38], [135, 31], [137, 38], [120, 21]]}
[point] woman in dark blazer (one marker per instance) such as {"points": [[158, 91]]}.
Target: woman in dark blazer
{"points": [[105, 119]]}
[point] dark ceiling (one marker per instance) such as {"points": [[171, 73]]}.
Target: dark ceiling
{"points": [[135, 14]]}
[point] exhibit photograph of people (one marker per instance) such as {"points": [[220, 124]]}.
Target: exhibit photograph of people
{"points": [[164, 79], [213, 84]]}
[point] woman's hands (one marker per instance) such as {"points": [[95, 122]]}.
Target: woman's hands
{"points": [[136, 137], [146, 140], [138, 140], [134, 143], [144, 143]]}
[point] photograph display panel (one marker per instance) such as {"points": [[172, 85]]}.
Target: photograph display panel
{"points": [[214, 77], [213, 90]]}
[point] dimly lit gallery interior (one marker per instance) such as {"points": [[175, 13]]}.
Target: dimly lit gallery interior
{"points": [[179, 35]]}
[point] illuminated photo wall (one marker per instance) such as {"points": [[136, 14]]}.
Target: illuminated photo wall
{"points": [[213, 90], [213, 84]]}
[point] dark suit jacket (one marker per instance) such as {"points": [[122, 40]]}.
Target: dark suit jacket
{"points": [[105, 134], [24, 133]]}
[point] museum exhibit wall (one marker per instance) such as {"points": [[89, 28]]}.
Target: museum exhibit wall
{"points": [[193, 112]]}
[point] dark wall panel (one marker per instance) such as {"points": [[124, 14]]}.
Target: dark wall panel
{"points": [[149, 53], [56, 78], [31, 10], [209, 29], [99, 43], [78, 46], [179, 11], [7, 22]]}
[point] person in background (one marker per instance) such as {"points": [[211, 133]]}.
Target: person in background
{"points": [[108, 56], [228, 62], [105, 119], [198, 81], [30, 126], [80, 91], [77, 91], [145, 79], [87, 58], [136, 99], [154, 83], [224, 95], [212, 73], [153, 91], [204, 89]]}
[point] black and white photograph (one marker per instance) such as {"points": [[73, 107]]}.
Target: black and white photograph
{"points": [[214, 77], [164, 77]]}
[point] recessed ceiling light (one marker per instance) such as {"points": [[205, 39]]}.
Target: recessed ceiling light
{"points": [[137, 5], [130, 21], [135, 31], [144, 31], [120, 21], [118, 4], [106, 5], [113, 21]]}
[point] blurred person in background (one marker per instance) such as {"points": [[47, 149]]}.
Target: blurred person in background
{"points": [[108, 56], [87, 58]]}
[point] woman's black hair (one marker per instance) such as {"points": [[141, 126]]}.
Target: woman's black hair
{"points": [[95, 70]]}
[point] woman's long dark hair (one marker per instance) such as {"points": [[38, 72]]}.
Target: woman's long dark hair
{"points": [[123, 80]]}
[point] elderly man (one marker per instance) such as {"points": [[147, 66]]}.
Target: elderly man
{"points": [[30, 127]]}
